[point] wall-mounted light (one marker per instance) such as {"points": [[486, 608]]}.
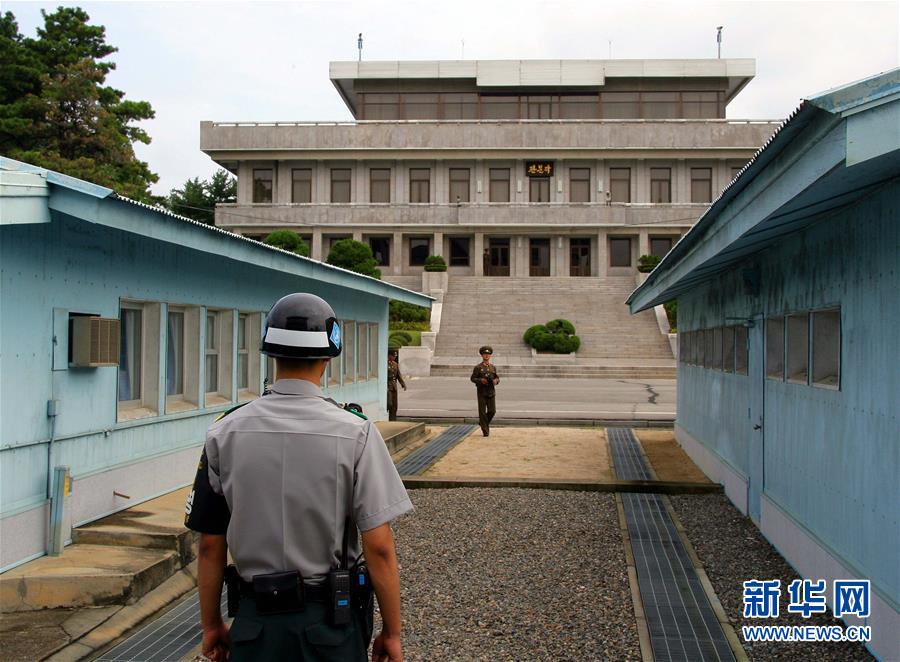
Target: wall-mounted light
{"points": [[518, 186], [478, 186], [559, 185], [600, 185]]}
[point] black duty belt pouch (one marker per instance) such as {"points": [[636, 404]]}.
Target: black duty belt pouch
{"points": [[278, 592]]}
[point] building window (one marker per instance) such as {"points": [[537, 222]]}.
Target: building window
{"points": [[499, 185], [775, 348], [380, 106], [243, 373], [660, 105], [538, 107], [579, 184], [620, 105], [460, 106], [349, 351], [380, 185], [660, 185], [301, 185], [798, 348], [701, 184], [620, 252], [700, 348], [211, 352], [340, 185], [374, 362], [700, 105], [381, 250], [660, 246], [578, 106], [459, 251], [420, 106], [262, 185], [539, 189], [620, 184], [826, 348], [419, 249], [728, 349], [419, 185], [740, 350], [175, 354], [735, 171], [362, 351], [710, 353], [459, 185], [499, 107], [130, 351], [717, 348]]}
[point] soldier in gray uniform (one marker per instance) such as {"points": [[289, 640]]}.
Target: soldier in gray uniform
{"points": [[485, 378], [393, 376], [286, 483]]}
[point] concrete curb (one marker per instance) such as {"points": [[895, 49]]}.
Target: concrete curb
{"points": [[662, 422], [129, 617], [658, 487]]}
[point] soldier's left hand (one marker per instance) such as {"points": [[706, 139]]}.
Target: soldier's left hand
{"points": [[496, 380]]}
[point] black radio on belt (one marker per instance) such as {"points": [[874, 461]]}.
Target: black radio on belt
{"points": [[338, 582]]}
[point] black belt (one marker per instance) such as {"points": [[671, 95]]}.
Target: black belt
{"points": [[311, 592]]}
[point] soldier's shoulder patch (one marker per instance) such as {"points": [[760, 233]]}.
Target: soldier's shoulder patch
{"points": [[229, 411]]}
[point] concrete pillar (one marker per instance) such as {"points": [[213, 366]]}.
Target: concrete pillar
{"points": [[357, 235], [397, 254], [439, 184], [643, 243], [602, 254], [478, 253], [316, 249], [437, 244], [562, 260], [322, 193], [480, 183], [245, 183], [282, 193], [519, 250]]}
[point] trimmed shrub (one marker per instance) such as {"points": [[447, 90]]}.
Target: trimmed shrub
{"points": [[410, 326], [288, 240], [672, 313], [556, 336], [399, 339], [408, 312], [647, 263], [354, 256], [435, 263]]}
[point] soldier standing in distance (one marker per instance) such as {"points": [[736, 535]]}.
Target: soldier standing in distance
{"points": [[286, 484], [485, 378], [393, 376]]}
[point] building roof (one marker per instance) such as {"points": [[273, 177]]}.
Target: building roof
{"points": [[24, 188], [576, 74], [835, 148]]}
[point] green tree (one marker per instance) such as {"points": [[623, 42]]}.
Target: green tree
{"points": [[197, 198], [56, 110], [288, 240], [355, 256]]}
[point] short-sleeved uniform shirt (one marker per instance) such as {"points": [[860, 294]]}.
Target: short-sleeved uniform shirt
{"points": [[289, 466]]}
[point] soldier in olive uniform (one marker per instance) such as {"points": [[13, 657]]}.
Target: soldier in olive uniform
{"points": [[393, 376], [485, 378]]}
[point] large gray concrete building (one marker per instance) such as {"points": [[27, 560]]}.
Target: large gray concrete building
{"points": [[554, 168], [567, 170]]}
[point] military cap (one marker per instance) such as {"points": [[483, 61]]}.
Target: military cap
{"points": [[486, 349]]}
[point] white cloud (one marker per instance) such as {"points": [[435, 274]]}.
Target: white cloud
{"points": [[269, 61]]}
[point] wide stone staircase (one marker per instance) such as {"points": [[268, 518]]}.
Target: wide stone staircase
{"points": [[497, 311]]}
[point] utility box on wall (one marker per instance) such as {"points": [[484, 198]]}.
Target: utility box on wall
{"points": [[95, 342]]}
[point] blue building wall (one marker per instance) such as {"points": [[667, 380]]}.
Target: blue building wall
{"points": [[73, 265], [831, 458]]}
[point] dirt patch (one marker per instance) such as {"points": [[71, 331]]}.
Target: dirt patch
{"points": [[667, 458], [519, 452]]}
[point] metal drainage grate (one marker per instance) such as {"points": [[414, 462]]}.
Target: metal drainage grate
{"points": [[422, 458], [170, 637], [627, 456], [682, 624]]}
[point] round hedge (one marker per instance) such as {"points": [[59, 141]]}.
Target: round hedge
{"points": [[435, 263], [556, 336]]}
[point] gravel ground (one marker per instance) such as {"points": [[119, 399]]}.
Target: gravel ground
{"points": [[732, 551], [509, 574]]}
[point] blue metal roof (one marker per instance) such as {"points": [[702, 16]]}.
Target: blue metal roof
{"points": [[713, 245], [238, 247]]}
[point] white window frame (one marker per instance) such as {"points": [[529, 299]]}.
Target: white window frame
{"points": [[148, 403]]}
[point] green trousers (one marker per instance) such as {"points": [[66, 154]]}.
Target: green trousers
{"points": [[487, 407], [301, 636]]}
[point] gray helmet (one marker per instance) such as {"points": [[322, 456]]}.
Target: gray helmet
{"points": [[301, 326]]}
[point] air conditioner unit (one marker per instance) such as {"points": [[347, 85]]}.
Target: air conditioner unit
{"points": [[95, 342]]}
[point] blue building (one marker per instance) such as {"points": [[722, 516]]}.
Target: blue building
{"points": [[126, 330], [788, 294]]}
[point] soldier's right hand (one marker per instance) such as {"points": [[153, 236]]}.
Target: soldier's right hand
{"points": [[483, 380], [215, 642], [386, 648]]}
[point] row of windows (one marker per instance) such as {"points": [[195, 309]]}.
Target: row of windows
{"points": [[805, 348], [802, 348], [230, 350], [589, 105], [460, 185], [720, 348]]}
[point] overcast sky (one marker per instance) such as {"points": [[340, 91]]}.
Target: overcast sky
{"points": [[265, 61]]}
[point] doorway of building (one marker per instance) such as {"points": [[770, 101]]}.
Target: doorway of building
{"points": [[498, 258], [540, 257], [579, 256]]}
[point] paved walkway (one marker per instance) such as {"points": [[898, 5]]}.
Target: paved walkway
{"points": [[438, 397]]}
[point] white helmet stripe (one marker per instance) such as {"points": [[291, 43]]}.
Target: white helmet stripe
{"points": [[290, 338]]}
